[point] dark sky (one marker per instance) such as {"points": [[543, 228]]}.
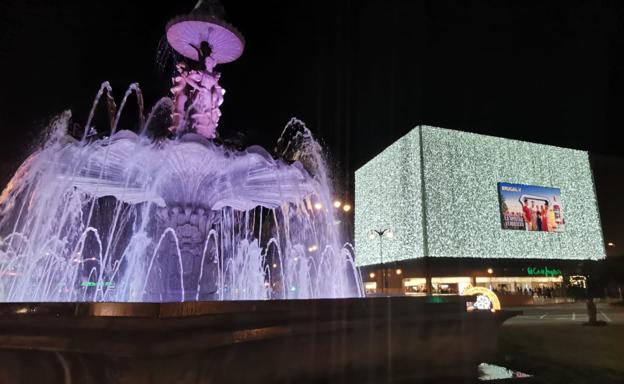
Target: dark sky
{"points": [[359, 73]]}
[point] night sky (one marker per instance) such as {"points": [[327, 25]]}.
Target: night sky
{"points": [[359, 73]]}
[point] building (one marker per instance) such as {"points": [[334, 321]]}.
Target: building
{"points": [[439, 210]]}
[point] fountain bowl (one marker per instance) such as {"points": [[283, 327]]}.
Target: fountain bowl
{"points": [[377, 339]]}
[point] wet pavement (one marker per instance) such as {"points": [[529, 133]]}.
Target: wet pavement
{"points": [[569, 312]]}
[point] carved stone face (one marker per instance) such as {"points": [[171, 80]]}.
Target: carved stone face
{"points": [[190, 258]]}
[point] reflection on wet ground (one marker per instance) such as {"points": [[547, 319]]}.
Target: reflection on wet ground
{"points": [[490, 372], [487, 372]]}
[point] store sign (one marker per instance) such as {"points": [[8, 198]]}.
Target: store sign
{"points": [[533, 271]]}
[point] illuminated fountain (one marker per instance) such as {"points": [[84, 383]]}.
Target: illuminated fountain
{"points": [[125, 216], [120, 226]]}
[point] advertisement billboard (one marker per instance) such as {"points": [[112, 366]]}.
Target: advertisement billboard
{"points": [[530, 208]]}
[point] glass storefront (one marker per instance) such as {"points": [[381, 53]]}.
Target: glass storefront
{"points": [[370, 287], [415, 286], [527, 285], [449, 285]]}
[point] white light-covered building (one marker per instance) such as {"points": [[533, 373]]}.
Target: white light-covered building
{"points": [[481, 200]]}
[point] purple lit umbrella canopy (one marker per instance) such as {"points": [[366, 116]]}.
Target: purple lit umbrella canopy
{"points": [[186, 33]]}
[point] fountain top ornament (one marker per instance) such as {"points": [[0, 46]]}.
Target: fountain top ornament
{"points": [[204, 25], [203, 40]]}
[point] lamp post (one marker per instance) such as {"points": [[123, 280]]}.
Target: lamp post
{"points": [[381, 233]]}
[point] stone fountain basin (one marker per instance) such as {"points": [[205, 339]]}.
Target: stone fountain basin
{"points": [[368, 339]]}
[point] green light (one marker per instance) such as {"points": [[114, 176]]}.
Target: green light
{"points": [[108, 284], [531, 271], [436, 299]]}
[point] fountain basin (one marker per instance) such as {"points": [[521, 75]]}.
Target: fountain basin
{"points": [[128, 219], [372, 339]]}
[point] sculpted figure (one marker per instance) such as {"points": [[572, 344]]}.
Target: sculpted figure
{"points": [[180, 98], [201, 87]]}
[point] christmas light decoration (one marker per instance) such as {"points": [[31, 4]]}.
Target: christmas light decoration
{"points": [[438, 189]]}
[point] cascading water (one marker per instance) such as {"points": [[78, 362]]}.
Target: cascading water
{"points": [[129, 218], [141, 217]]}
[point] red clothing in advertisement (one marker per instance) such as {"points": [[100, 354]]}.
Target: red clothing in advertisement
{"points": [[545, 220], [527, 213]]}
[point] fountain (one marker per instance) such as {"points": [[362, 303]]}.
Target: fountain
{"points": [[135, 217], [165, 255]]}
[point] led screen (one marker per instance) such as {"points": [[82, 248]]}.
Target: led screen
{"points": [[530, 208]]}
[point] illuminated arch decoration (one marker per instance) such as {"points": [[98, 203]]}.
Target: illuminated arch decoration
{"points": [[485, 298]]}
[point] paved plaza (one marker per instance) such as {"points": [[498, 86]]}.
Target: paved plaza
{"points": [[566, 313]]}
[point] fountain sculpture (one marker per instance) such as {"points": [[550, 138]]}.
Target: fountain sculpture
{"points": [[119, 226], [126, 216]]}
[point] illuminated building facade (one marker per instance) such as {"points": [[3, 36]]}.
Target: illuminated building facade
{"points": [[457, 204]]}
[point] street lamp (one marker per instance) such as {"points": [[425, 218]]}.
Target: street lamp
{"points": [[381, 233]]}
